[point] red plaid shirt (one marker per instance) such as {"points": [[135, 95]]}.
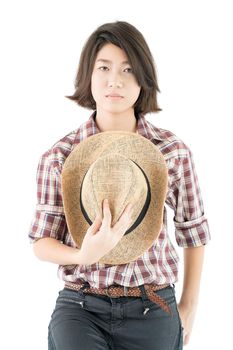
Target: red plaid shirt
{"points": [[159, 264]]}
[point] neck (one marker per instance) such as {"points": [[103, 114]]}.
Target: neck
{"points": [[125, 121]]}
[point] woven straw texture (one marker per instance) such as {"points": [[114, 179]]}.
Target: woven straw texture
{"points": [[103, 165]]}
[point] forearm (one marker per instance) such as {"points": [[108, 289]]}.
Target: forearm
{"points": [[52, 250], [193, 263]]}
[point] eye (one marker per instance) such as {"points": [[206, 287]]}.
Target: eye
{"points": [[103, 68], [128, 70]]}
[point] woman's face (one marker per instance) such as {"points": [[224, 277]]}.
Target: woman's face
{"points": [[113, 84]]}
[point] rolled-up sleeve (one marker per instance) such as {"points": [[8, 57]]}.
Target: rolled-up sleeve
{"points": [[184, 197], [49, 219]]}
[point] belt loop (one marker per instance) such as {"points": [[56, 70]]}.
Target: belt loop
{"points": [[144, 298], [125, 291], [85, 285]]}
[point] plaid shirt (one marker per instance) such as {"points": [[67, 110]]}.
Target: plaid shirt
{"points": [[159, 264]]}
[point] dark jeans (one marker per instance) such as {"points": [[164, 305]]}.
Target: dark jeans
{"points": [[90, 322]]}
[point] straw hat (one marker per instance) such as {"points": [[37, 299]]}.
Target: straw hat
{"points": [[124, 168]]}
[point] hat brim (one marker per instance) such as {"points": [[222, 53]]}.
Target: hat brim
{"points": [[149, 158]]}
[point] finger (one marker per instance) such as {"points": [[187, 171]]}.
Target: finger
{"points": [[123, 223], [107, 216], [95, 226], [127, 213], [121, 228], [128, 209], [186, 339]]}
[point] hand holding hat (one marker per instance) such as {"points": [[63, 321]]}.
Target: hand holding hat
{"points": [[101, 237]]}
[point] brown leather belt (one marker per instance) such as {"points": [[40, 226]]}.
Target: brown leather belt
{"points": [[121, 291]]}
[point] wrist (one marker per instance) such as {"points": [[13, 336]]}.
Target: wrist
{"points": [[79, 257], [189, 296], [82, 258], [188, 302]]}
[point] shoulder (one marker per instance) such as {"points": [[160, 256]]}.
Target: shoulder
{"points": [[56, 155], [169, 143]]}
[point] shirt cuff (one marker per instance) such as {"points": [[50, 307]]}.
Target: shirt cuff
{"points": [[53, 209], [47, 225], [194, 233]]}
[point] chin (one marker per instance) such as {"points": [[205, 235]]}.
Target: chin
{"points": [[119, 108], [114, 109]]}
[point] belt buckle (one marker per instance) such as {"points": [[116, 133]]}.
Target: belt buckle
{"points": [[109, 294]]}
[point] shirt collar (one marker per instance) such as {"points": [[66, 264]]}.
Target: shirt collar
{"points": [[144, 128]]}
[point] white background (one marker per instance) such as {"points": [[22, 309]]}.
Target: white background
{"points": [[41, 41]]}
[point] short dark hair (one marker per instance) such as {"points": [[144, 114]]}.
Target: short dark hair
{"points": [[130, 39]]}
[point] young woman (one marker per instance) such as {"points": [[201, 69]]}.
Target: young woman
{"points": [[116, 78]]}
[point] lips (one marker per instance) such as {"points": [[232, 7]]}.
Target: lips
{"points": [[114, 95]]}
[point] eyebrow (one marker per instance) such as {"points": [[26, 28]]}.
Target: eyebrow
{"points": [[108, 61]]}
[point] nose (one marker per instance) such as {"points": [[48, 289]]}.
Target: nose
{"points": [[115, 81], [117, 84]]}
